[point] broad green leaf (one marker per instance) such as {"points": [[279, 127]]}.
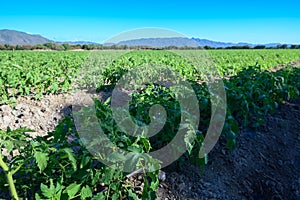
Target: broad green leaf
{"points": [[72, 190], [115, 196], [37, 196], [48, 192], [71, 157], [86, 192], [41, 160]]}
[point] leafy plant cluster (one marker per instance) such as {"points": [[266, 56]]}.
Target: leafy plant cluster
{"points": [[111, 73], [259, 92], [253, 93], [227, 62], [231, 62], [37, 73], [58, 166]]}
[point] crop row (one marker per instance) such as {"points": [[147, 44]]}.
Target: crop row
{"points": [[39, 73]]}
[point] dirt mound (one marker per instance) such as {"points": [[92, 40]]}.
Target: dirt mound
{"points": [[42, 115], [266, 164]]}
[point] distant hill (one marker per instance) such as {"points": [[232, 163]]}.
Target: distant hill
{"points": [[180, 41], [160, 42], [205, 42], [77, 42], [274, 44], [12, 37]]}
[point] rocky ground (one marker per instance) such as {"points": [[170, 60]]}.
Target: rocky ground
{"points": [[266, 164], [44, 114]]}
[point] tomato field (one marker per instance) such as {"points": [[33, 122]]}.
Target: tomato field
{"points": [[59, 165]]}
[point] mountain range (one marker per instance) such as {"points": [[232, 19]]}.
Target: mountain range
{"points": [[191, 42], [12, 37]]}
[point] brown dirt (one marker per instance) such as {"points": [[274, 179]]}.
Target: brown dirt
{"points": [[266, 164]]}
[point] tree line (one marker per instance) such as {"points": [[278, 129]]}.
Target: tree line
{"points": [[66, 47]]}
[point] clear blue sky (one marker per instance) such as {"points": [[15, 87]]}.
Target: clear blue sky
{"points": [[256, 21]]}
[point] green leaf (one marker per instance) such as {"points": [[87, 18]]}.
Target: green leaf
{"points": [[86, 192], [48, 192], [116, 157], [27, 90], [115, 196], [99, 196], [37, 196], [148, 194], [58, 190], [154, 180], [72, 190], [189, 139], [41, 160], [9, 146], [71, 157], [132, 196], [131, 162], [85, 160], [135, 148], [146, 144]]}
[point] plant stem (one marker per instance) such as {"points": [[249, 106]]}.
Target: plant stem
{"points": [[9, 177], [2, 163], [12, 186]]}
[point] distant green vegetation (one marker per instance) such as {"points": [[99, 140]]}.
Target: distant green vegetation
{"points": [[233, 61], [227, 62], [38, 73]]}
